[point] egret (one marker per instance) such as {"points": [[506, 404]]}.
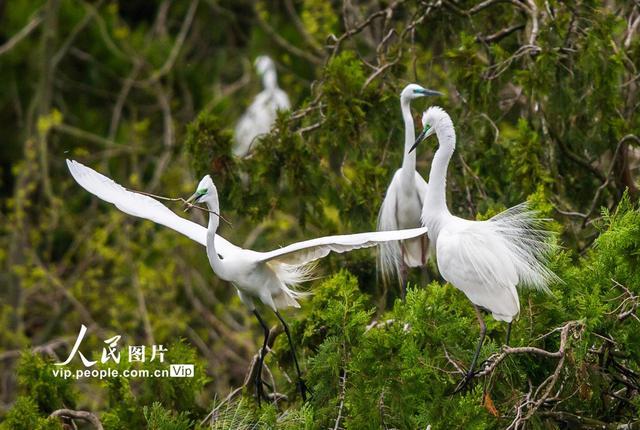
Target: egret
{"points": [[266, 277], [403, 201], [262, 113], [486, 260]]}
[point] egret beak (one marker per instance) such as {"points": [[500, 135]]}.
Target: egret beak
{"points": [[428, 131], [428, 92], [191, 200]]}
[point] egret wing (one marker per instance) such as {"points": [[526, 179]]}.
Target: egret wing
{"points": [[314, 249], [281, 100], [389, 254], [422, 187], [477, 262], [142, 206]]}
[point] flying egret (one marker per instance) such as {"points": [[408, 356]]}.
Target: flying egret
{"points": [[483, 259], [262, 113], [268, 277], [403, 201]]}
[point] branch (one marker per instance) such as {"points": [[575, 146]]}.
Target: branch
{"points": [[576, 158], [91, 12], [291, 10], [343, 388], [24, 32], [357, 29], [605, 183], [46, 347], [532, 401], [485, 4], [253, 368], [78, 415], [177, 46], [86, 135], [586, 422], [499, 35], [284, 43]]}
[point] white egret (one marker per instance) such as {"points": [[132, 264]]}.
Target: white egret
{"points": [[268, 277], [262, 112], [403, 201], [486, 260]]}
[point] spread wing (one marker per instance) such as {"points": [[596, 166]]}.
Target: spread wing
{"points": [[142, 206], [314, 249]]}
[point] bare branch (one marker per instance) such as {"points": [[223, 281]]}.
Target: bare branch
{"points": [[78, 415], [291, 10], [177, 46], [499, 35], [284, 43], [341, 398], [35, 21]]}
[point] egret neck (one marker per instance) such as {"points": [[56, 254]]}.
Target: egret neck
{"points": [[409, 160], [270, 79], [214, 221], [435, 206]]}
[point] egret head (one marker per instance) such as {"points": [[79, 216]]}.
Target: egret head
{"points": [[206, 192], [414, 91], [433, 119], [263, 64]]}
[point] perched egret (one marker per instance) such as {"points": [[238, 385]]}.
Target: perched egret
{"points": [[262, 113], [403, 202], [269, 277], [483, 259]]}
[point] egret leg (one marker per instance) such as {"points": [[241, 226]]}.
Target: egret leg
{"points": [[483, 331], [301, 385], [263, 351], [404, 272], [508, 333]]}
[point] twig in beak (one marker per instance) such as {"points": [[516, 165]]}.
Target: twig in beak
{"points": [[187, 204]]}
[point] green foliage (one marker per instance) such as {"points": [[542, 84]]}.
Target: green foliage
{"points": [[208, 145], [159, 418], [24, 415], [38, 383]]}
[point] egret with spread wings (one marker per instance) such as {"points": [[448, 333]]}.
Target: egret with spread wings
{"points": [[267, 277]]}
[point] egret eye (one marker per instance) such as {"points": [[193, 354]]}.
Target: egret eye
{"points": [[202, 191]]}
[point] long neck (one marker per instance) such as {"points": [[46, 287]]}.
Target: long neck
{"points": [[270, 79], [212, 228], [436, 195], [409, 160]]}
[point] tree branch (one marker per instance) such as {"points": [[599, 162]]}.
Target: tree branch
{"points": [[35, 21], [78, 415]]}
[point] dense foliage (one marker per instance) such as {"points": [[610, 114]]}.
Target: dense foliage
{"points": [[544, 97]]}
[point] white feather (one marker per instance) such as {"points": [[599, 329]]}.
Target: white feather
{"points": [[402, 204], [484, 259], [263, 111], [270, 276]]}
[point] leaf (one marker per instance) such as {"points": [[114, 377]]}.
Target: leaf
{"points": [[489, 406]]}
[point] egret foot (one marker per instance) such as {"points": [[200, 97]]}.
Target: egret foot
{"points": [[465, 383], [302, 387]]}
